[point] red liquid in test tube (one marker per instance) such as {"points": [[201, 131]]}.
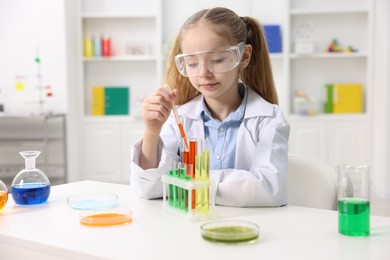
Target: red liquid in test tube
{"points": [[106, 46]]}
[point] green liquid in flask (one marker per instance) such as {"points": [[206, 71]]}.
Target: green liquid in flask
{"points": [[354, 217]]}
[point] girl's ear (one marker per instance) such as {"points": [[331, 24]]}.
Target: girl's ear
{"points": [[246, 57]]}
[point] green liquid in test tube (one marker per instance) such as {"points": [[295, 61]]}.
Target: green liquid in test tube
{"points": [[170, 189], [175, 189], [181, 194]]}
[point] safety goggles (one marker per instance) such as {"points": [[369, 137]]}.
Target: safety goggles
{"points": [[215, 61]]}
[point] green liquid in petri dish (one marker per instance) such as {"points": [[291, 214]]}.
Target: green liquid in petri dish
{"points": [[354, 217], [230, 234]]}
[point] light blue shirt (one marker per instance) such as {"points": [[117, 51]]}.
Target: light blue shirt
{"points": [[221, 137]]}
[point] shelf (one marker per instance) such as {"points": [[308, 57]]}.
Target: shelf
{"points": [[330, 117], [17, 139], [129, 58], [116, 16], [328, 11], [276, 56], [44, 133], [326, 55], [113, 119], [9, 171]]}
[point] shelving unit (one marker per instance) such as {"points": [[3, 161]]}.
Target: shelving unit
{"points": [[126, 23], [43, 133], [335, 138], [105, 155]]}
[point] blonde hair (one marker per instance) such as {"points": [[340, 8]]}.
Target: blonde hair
{"points": [[257, 75]]}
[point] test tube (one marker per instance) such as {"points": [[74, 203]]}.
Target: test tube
{"points": [[88, 47], [170, 189], [191, 158], [185, 175], [198, 169], [205, 176], [182, 172], [171, 166], [175, 189]]}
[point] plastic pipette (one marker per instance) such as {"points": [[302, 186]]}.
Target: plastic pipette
{"points": [[183, 134]]}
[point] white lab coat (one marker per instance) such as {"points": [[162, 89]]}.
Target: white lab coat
{"points": [[260, 176]]}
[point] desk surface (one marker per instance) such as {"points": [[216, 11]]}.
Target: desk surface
{"points": [[52, 231]]}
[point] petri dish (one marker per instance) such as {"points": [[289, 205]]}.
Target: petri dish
{"points": [[106, 217], [230, 231], [93, 201]]}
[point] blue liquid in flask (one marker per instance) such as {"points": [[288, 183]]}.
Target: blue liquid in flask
{"points": [[30, 193], [30, 186]]}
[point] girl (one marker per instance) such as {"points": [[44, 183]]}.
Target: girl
{"points": [[221, 80]]}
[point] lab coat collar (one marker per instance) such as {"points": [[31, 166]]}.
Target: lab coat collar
{"points": [[256, 106]]}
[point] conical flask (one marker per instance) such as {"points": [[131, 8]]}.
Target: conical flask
{"points": [[30, 186], [3, 195]]}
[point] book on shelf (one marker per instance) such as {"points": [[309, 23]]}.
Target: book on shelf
{"points": [[98, 101], [110, 100], [344, 98], [328, 106], [273, 37]]}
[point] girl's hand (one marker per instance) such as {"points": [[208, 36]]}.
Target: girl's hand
{"points": [[156, 109]]}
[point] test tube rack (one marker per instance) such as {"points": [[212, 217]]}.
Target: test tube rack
{"points": [[177, 198]]}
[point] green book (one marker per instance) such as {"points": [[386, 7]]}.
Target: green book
{"points": [[116, 100], [328, 106]]}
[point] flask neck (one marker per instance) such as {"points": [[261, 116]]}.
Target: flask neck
{"points": [[30, 163], [29, 158]]}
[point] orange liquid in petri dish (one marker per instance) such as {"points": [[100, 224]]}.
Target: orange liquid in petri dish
{"points": [[3, 199], [106, 219]]}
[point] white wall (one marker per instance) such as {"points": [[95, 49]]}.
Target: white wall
{"points": [[381, 127], [27, 29], [175, 12]]}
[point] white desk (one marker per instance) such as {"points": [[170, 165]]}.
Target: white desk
{"points": [[52, 231]]}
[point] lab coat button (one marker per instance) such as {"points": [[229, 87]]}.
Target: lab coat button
{"points": [[218, 157], [222, 129]]}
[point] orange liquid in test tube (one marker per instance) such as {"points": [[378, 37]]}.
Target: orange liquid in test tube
{"points": [[183, 135], [193, 153], [186, 156], [181, 128]]}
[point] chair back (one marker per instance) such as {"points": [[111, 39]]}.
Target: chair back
{"points": [[311, 183]]}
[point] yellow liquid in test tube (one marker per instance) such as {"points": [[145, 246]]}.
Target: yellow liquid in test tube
{"points": [[198, 192], [88, 47], [205, 173], [202, 171]]}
